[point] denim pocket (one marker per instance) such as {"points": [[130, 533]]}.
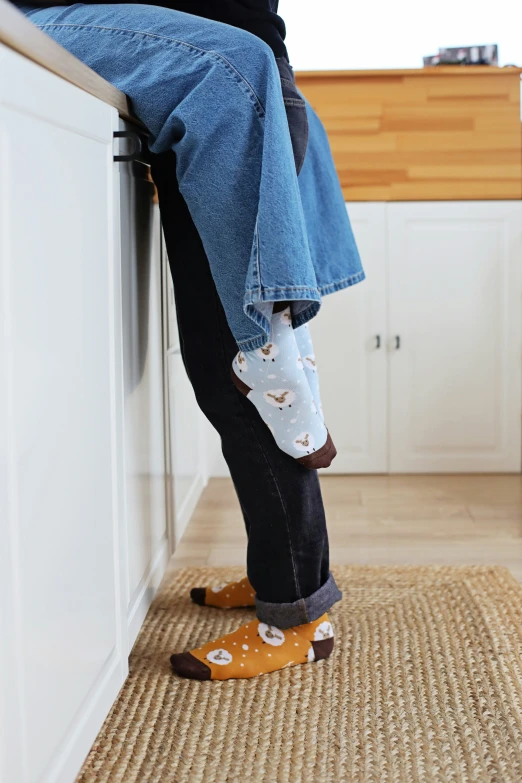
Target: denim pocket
{"points": [[295, 113]]}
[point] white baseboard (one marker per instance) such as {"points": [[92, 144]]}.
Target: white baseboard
{"points": [[82, 732]]}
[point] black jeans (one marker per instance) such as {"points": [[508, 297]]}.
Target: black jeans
{"points": [[295, 108], [287, 559]]}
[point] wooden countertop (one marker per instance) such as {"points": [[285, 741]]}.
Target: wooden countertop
{"points": [[18, 33], [447, 132], [438, 70]]}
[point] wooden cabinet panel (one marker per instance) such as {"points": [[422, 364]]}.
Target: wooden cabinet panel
{"points": [[429, 134]]}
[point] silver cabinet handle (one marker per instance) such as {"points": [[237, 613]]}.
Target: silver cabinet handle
{"points": [[395, 343], [377, 341]]}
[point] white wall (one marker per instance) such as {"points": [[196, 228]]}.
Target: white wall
{"points": [[336, 34]]}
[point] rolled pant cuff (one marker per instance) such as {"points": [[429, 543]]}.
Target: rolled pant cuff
{"points": [[304, 610]]}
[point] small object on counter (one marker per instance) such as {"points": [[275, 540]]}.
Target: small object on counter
{"points": [[464, 55]]}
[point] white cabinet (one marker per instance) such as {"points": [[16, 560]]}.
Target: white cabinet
{"points": [[187, 426], [455, 303], [188, 463], [147, 522], [62, 660], [443, 292]]}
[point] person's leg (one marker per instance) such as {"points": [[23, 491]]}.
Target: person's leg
{"points": [[287, 557], [231, 149], [274, 378]]}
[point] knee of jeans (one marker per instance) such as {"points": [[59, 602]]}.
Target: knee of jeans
{"points": [[245, 43], [252, 57]]}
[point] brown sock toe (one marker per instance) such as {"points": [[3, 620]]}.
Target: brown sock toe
{"points": [[323, 648], [322, 458], [198, 595], [186, 665]]}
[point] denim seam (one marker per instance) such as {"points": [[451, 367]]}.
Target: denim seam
{"points": [[258, 252], [324, 289], [283, 505], [345, 283], [239, 78], [252, 343]]}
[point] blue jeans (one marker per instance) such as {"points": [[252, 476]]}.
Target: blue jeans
{"points": [[212, 94]]}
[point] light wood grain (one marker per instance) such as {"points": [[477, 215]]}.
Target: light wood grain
{"points": [[395, 520], [18, 33], [456, 70], [434, 133]]}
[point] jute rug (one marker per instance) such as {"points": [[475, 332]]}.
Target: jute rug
{"points": [[425, 684]]}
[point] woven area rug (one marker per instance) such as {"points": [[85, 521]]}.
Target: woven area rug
{"points": [[425, 684]]}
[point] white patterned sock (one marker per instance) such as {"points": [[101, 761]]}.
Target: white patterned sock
{"points": [[303, 339], [274, 380]]}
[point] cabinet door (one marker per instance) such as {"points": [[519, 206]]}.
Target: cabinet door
{"points": [[186, 444], [187, 426], [61, 657], [143, 355], [454, 303], [347, 332]]}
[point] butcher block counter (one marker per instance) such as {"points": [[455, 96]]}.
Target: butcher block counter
{"points": [[442, 133]]}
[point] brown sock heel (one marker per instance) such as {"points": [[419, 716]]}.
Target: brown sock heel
{"points": [[322, 458]]}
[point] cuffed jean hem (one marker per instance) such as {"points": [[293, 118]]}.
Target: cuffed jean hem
{"points": [[304, 610]]}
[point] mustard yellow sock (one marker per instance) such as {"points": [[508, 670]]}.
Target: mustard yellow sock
{"points": [[256, 648], [229, 596]]}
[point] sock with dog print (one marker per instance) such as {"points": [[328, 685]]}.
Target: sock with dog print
{"points": [[274, 380], [256, 648], [232, 595]]}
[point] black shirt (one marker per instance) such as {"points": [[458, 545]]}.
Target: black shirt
{"points": [[256, 16]]}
